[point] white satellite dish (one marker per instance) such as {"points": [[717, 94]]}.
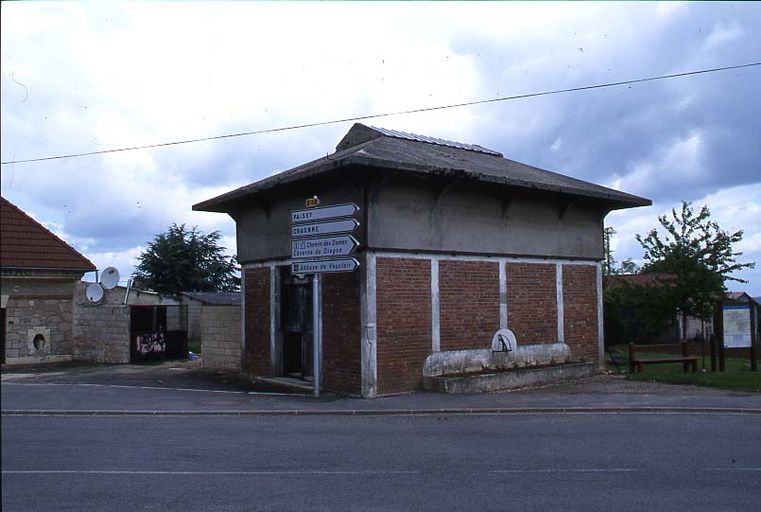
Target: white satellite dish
{"points": [[110, 278], [94, 293]]}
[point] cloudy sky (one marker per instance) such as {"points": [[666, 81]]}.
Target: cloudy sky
{"points": [[88, 77]]}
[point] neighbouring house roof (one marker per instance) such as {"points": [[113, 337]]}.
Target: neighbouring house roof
{"points": [[27, 244], [417, 154], [742, 297], [216, 298]]}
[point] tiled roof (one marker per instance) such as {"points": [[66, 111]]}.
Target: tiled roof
{"points": [[416, 154], [216, 298], [26, 244]]}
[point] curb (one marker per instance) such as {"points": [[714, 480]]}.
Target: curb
{"points": [[394, 412]]}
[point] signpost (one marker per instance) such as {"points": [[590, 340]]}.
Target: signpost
{"points": [[312, 252]]}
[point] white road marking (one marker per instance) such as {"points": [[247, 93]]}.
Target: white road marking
{"points": [[732, 469], [572, 470], [205, 473]]}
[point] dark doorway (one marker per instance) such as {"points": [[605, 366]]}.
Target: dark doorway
{"points": [[2, 335], [157, 335], [296, 324]]}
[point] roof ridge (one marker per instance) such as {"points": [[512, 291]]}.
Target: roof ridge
{"points": [[398, 134]]}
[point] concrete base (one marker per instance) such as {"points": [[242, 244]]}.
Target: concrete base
{"points": [[508, 379], [48, 359]]}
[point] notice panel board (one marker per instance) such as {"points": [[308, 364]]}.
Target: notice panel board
{"points": [[737, 325]]}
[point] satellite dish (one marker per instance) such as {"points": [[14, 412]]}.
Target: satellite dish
{"points": [[94, 293], [110, 278]]}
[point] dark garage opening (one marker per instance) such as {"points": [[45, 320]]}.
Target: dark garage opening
{"points": [[158, 333]]}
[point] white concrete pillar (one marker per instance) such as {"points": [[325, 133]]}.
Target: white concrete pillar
{"points": [[559, 290], [369, 349], [435, 307]]}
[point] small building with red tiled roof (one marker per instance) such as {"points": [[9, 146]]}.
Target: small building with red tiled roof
{"points": [[39, 272]]}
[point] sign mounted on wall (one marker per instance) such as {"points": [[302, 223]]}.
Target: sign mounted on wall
{"points": [[324, 212], [342, 245], [314, 253], [310, 246]]}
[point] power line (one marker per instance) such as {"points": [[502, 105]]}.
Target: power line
{"points": [[389, 114]]}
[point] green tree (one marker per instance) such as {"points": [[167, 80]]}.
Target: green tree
{"points": [[186, 260], [697, 257]]}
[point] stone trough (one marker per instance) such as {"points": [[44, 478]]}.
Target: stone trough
{"points": [[505, 365]]}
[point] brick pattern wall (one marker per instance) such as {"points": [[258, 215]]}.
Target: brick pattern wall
{"points": [[220, 337], [469, 303], [403, 308], [101, 333], [532, 302], [256, 361], [580, 310], [341, 332]]}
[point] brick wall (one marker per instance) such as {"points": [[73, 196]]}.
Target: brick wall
{"points": [[341, 332], [580, 310], [532, 302], [469, 303], [220, 337], [256, 360], [403, 306]]}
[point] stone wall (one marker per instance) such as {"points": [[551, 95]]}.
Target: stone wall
{"points": [[195, 320], [46, 318], [101, 333], [220, 337]]}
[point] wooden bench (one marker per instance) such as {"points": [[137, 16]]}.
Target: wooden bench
{"points": [[636, 363]]}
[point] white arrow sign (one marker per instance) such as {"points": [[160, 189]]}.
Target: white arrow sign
{"points": [[324, 228], [342, 245], [323, 266], [324, 212]]}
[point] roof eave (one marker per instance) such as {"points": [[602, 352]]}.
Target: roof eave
{"points": [[225, 203]]}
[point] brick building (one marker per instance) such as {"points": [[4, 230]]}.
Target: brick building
{"points": [[456, 242]]}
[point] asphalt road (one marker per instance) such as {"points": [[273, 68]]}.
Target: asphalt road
{"points": [[696, 462]]}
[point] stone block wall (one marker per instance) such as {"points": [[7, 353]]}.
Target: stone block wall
{"points": [[28, 316], [221, 337], [195, 321], [101, 333]]}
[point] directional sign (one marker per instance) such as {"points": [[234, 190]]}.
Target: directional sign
{"points": [[342, 245], [324, 228], [324, 212], [323, 266]]}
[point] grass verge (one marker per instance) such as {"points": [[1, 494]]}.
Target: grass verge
{"points": [[737, 375]]}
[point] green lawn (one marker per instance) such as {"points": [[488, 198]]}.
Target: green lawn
{"points": [[736, 377]]}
